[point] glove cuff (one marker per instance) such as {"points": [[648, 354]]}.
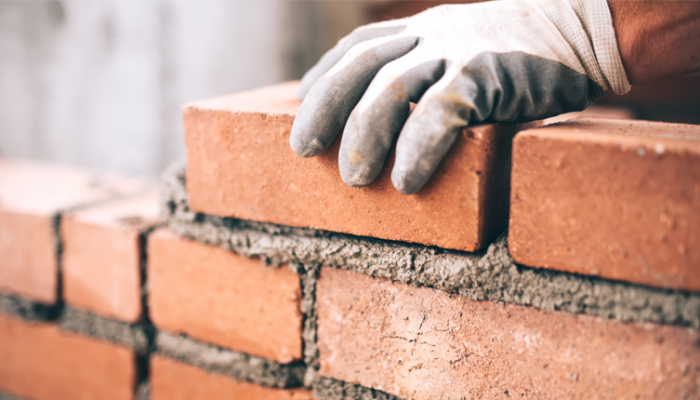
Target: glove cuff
{"points": [[587, 26], [597, 22]]}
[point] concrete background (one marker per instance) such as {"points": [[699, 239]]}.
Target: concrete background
{"points": [[100, 84]]}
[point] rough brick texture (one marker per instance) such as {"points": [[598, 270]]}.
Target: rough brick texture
{"points": [[172, 380], [240, 165], [222, 298], [39, 362], [28, 256], [102, 256], [31, 195], [618, 199], [421, 343]]}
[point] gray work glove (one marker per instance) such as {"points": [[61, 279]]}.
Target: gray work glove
{"points": [[510, 60]]}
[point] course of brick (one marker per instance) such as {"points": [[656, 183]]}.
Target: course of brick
{"points": [[102, 256], [40, 362], [241, 165], [32, 197], [617, 199]]}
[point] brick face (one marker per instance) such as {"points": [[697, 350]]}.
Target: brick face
{"points": [[617, 199], [39, 362], [219, 297], [101, 256], [172, 380], [240, 165], [28, 256], [421, 343], [31, 194]]}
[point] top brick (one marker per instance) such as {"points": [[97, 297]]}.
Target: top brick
{"points": [[617, 199], [38, 188], [31, 194], [240, 165]]}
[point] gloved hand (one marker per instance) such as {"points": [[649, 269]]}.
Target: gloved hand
{"points": [[510, 60]]}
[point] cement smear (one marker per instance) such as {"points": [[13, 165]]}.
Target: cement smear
{"points": [[28, 310], [223, 361], [134, 336], [486, 275]]}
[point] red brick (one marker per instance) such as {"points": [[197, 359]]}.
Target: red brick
{"points": [[171, 380], [422, 343], [40, 362], [31, 194], [240, 165], [102, 255], [27, 256], [617, 199], [222, 298]]}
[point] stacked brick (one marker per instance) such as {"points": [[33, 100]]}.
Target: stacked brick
{"points": [[55, 274], [99, 301], [571, 272], [600, 300]]}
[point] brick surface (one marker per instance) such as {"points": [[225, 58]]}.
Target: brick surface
{"points": [[219, 297], [31, 194], [172, 380], [618, 199], [594, 112], [102, 256], [28, 256], [240, 165], [39, 362], [421, 343]]}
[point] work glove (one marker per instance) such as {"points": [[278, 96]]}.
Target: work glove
{"points": [[510, 60]]}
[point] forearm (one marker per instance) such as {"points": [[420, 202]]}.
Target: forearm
{"points": [[657, 39]]}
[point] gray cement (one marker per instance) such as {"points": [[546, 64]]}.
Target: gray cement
{"points": [[486, 275], [223, 361], [330, 389], [134, 336], [308, 309], [28, 310], [143, 391]]}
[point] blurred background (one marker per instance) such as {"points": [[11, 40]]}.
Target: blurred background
{"points": [[101, 84]]}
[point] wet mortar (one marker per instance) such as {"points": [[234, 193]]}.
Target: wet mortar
{"points": [[490, 274], [228, 362]]}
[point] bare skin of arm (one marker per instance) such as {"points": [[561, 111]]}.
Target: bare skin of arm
{"points": [[657, 39]]}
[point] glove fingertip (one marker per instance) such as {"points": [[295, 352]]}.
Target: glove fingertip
{"points": [[352, 178], [305, 148], [402, 184]]}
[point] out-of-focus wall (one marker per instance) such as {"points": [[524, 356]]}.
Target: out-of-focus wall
{"points": [[101, 84]]}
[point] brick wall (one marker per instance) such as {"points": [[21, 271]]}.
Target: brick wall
{"points": [[241, 289]]}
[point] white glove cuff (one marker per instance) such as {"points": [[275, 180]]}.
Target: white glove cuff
{"points": [[587, 26], [597, 21]]}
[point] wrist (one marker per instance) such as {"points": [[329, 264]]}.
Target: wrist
{"points": [[656, 39]]}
